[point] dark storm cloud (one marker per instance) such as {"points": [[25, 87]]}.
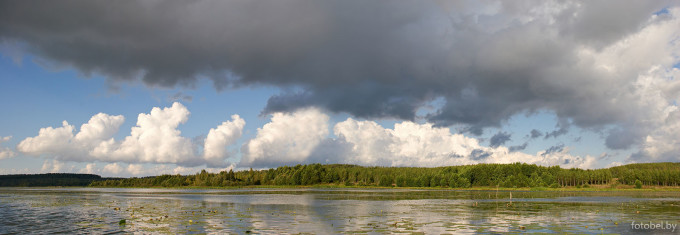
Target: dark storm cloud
{"points": [[361, 100], [499, 139], [367, 58]]}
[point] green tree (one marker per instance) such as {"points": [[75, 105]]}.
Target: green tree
{"points": [[638, 184], [385, 181]]}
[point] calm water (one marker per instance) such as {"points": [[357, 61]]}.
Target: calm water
{"points": [[329, 211]]}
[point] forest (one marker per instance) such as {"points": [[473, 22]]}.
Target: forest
{"points": [[50, 179], [514, 175]]}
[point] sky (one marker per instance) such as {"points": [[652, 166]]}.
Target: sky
{"points": [[142, 88]]}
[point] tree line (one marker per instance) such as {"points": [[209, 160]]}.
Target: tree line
{"points": [[494, 175], [50, 179]]}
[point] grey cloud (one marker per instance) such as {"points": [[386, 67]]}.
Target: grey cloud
{"points": [[499, 139], [361, 100], [518, 147], [179, 96], [366, 58], [479, 154], [604, 156], [620, 138], [535, 134], [330, 151], [556, 133], [562, 128], [642, 156], [554, 149], [598, 28]]}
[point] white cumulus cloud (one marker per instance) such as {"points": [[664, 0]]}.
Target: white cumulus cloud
{"points": [[412, 144], [90, 168], [135, 169], [289, 138], [214, 150], [302, 137], [53, 166], [62, 144], [113, 168], [6, 152], [155, 139]]}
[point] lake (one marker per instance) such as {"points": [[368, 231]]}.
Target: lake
{"points": [[330, 211]]}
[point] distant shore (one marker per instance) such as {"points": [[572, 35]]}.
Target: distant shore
{"points": [[330, 186], [507, 177]]}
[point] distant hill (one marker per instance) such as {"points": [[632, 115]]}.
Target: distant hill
{"points": [[51, 179]]}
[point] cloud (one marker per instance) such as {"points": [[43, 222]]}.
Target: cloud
{"points": [[499, 139], [479, 154], [553, 149], [562, 128], [226, 134], [486, 61], [141, 170], [560, 156], [118, 169], [53, 166], [113, 168], [180, 97], [518, 147], [620, 138], [662, 143], [535, 134], [287, 139], [90, 168], [135, 169], [302, 137], [412, 144], [6, 152], [14, 171], [99, 128], [155, 139], [62, 144], [604, 156], [613, 164]]}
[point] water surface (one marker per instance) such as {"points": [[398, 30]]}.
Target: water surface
{"points": [[327, 211]]}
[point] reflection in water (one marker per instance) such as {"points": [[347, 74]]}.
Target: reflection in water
{"points": [[95, 210]]}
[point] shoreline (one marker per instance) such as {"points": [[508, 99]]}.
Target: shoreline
{"points": [[325, 186]]}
